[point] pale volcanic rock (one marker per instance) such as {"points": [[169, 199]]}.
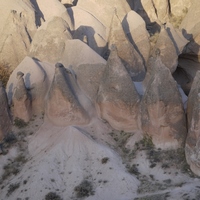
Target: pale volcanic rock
{"points": [[63, 107], [135, 28], [16, 36], [49, 42], [129, 56], [192, 146], [117, 99], [89, 29], [21, 100], [171, 44], [89, 77], [45, 10], [77, 53], [37, 77], [179, 7], [162, 112], [103, 10], [5, 121]]}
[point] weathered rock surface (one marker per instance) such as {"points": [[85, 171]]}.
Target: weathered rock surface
{"points": [[45, 10], [129, 56], [117, 99], [89, 29], [16, 30], [179, 7], [21, 100], [135, 28], [162, 112], [63, 107], [5, 121], [103, 10], [193, 115], [171, 44], [37, 78], [89, 77], [49, 43], [77, 53]]}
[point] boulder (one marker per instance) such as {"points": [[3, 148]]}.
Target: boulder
{"points": [[63, 107], [45, 10], [5, 121], [103, 10], [162, 112], [179, 7], [129, 56], [89, 77], [152, 10], [16, 33], [77, 53], [135, 28], [171, 43], [192, 146], [37, 79], [21, 100], [89, 29], [117, 99], [49, 42]]}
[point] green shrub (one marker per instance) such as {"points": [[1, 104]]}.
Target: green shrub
{"points": [[52, 196], [20, 123], [12, 188], [84, 189], [4, 74]]}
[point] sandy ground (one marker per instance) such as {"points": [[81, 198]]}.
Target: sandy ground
{"points": [[46, 158]]}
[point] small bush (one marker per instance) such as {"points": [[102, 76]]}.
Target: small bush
{"points": [[52, 196], [4, 74], [104, 160], [12, 188], [84, 189], [20, 123]]}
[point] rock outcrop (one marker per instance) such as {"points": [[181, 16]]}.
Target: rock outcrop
{"points": [[117, 99], [5, 121], [89, 77], [192, 146], [16, 34], [162, 112], [21, 100], [63, 107], [37, 78], [135, 28], [171, 44], [49, 43], [89, 29], [129, 56]]}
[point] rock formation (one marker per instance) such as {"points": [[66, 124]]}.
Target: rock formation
{"points": [[162, 113], [193, 138], [89, 77], [21, 100], [62, 105], [129, 56], [135, 28], [49, 43], [5, 121], [171, 43], [117, 99]]}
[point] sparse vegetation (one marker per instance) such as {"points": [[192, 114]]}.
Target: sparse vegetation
{"points": [[12, 188], [84, 189], [20, 123], [52, 196], [176, 20], [104, 160], [4, 74]]}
